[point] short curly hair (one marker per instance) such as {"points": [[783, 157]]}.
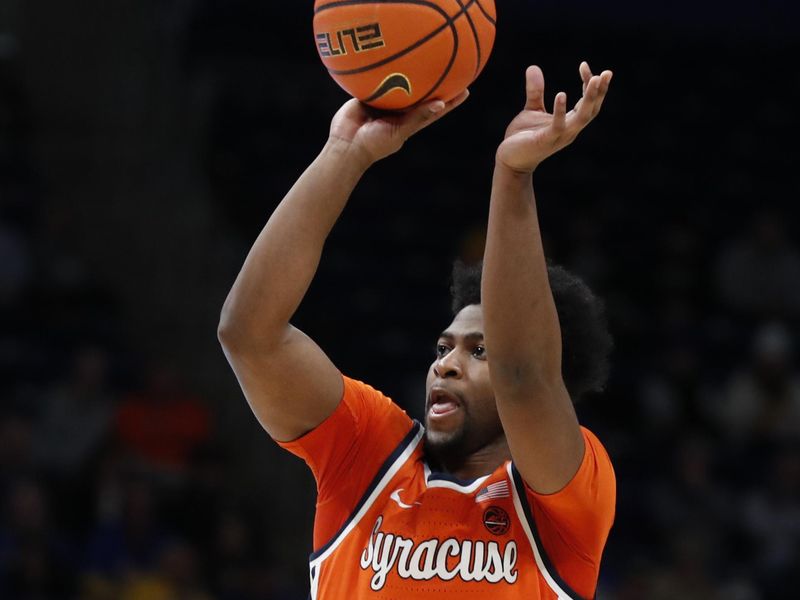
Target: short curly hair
{"points": [[586, 340]]}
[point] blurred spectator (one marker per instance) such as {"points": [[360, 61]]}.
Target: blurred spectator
{"points": [[35, 561], [16, 266], [232, 558], [672, 393], [76, 414], [772, 515], [772, 512], [208, 483], [692, 491], [16, 449], [164, 423], [128, 536], [175, 579], [687, 570], [763, 399], [759, 275]]}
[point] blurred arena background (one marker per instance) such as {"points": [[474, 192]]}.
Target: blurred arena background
{"points": [[143, 143]]}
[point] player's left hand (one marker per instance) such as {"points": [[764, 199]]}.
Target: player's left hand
{"points": [[535, 134]]}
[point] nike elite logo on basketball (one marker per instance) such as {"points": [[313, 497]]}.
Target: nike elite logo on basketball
{"points": [[366, 37], [392, 82], [469, 560]]}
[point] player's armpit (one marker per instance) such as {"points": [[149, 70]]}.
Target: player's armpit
{"points": [[291, 387]]}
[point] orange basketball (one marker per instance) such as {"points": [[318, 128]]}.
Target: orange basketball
{"points": [[394, 54]]}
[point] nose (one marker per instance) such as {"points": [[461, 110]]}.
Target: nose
{"points": [[448, 366]]}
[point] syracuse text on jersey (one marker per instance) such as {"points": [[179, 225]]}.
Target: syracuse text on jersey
{"points": [[446, 559]]}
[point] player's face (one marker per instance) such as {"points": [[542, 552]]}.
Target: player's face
{"points": [[460, 412]]}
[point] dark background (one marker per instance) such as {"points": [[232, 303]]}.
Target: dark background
{"points": [[143, 144]]}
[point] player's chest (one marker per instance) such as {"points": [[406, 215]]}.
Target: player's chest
{"points": [[432, 530]]}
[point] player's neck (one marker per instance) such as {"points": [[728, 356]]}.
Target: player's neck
{"points": [[479, 463]]}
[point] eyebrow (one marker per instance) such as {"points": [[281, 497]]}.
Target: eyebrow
{"points": [[472, 336]]}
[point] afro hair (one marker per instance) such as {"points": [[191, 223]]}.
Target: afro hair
{"points": [[586, 341]]}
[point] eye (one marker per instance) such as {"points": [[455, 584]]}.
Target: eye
{"points": [[479, 352], [442, 350]]}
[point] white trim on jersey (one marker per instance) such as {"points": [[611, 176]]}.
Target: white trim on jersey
{"points": [[315, 565], [452, 485], [560, 593]]}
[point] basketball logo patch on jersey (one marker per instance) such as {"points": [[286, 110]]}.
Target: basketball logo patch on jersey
{"points": [[451, 558], [496, 520]]}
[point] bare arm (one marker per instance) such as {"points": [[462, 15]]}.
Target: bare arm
{"points": [[288, 381], [523, 337]]}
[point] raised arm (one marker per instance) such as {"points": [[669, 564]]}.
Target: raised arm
{"points": [[288, 381], [523, 337]]}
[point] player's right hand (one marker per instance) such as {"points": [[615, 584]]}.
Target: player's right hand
{"points": [[372, 134], [535, 134]]}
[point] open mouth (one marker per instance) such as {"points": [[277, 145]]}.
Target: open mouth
{"points": [[442, 403]]}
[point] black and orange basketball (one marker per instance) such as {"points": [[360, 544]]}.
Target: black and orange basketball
{"points": [[393, 54]]}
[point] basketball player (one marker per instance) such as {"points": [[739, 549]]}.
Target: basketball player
{"points": [[501, 494]]}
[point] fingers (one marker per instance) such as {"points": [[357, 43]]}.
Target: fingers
{"points": [[586, 75], [594, 91], [534, 89], [424, 115], [560, 112], [437, 109], [587, 108], [456, 102], [605, 83], [584, 109]]}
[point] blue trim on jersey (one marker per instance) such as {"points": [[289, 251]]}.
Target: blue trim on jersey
{"points": [[373, 484], [436, 475], [526, 508]]}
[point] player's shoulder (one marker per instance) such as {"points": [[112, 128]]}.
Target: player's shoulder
{"points": [[358, 393], [371, 407], [356, 386], [594, 446], [594, 481]]}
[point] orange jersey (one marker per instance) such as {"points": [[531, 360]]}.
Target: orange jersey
{"points": [[389, 528]]}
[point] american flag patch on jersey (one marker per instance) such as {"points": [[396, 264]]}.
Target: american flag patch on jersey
{"points": [[493, 490]]}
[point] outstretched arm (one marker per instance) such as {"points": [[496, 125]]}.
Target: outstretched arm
{"points": [[289, 383], [523, 337]]}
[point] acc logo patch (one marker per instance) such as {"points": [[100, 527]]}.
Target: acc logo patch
{"points": [[496, 520]]}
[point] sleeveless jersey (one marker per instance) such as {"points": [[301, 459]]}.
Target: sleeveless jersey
{"points": [[389, 528]]}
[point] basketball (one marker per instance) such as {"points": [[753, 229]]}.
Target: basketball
{"points": [[395, 54]]}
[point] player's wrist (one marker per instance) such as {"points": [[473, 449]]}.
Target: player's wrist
{"points": [[522, 173], [350, 156]]}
